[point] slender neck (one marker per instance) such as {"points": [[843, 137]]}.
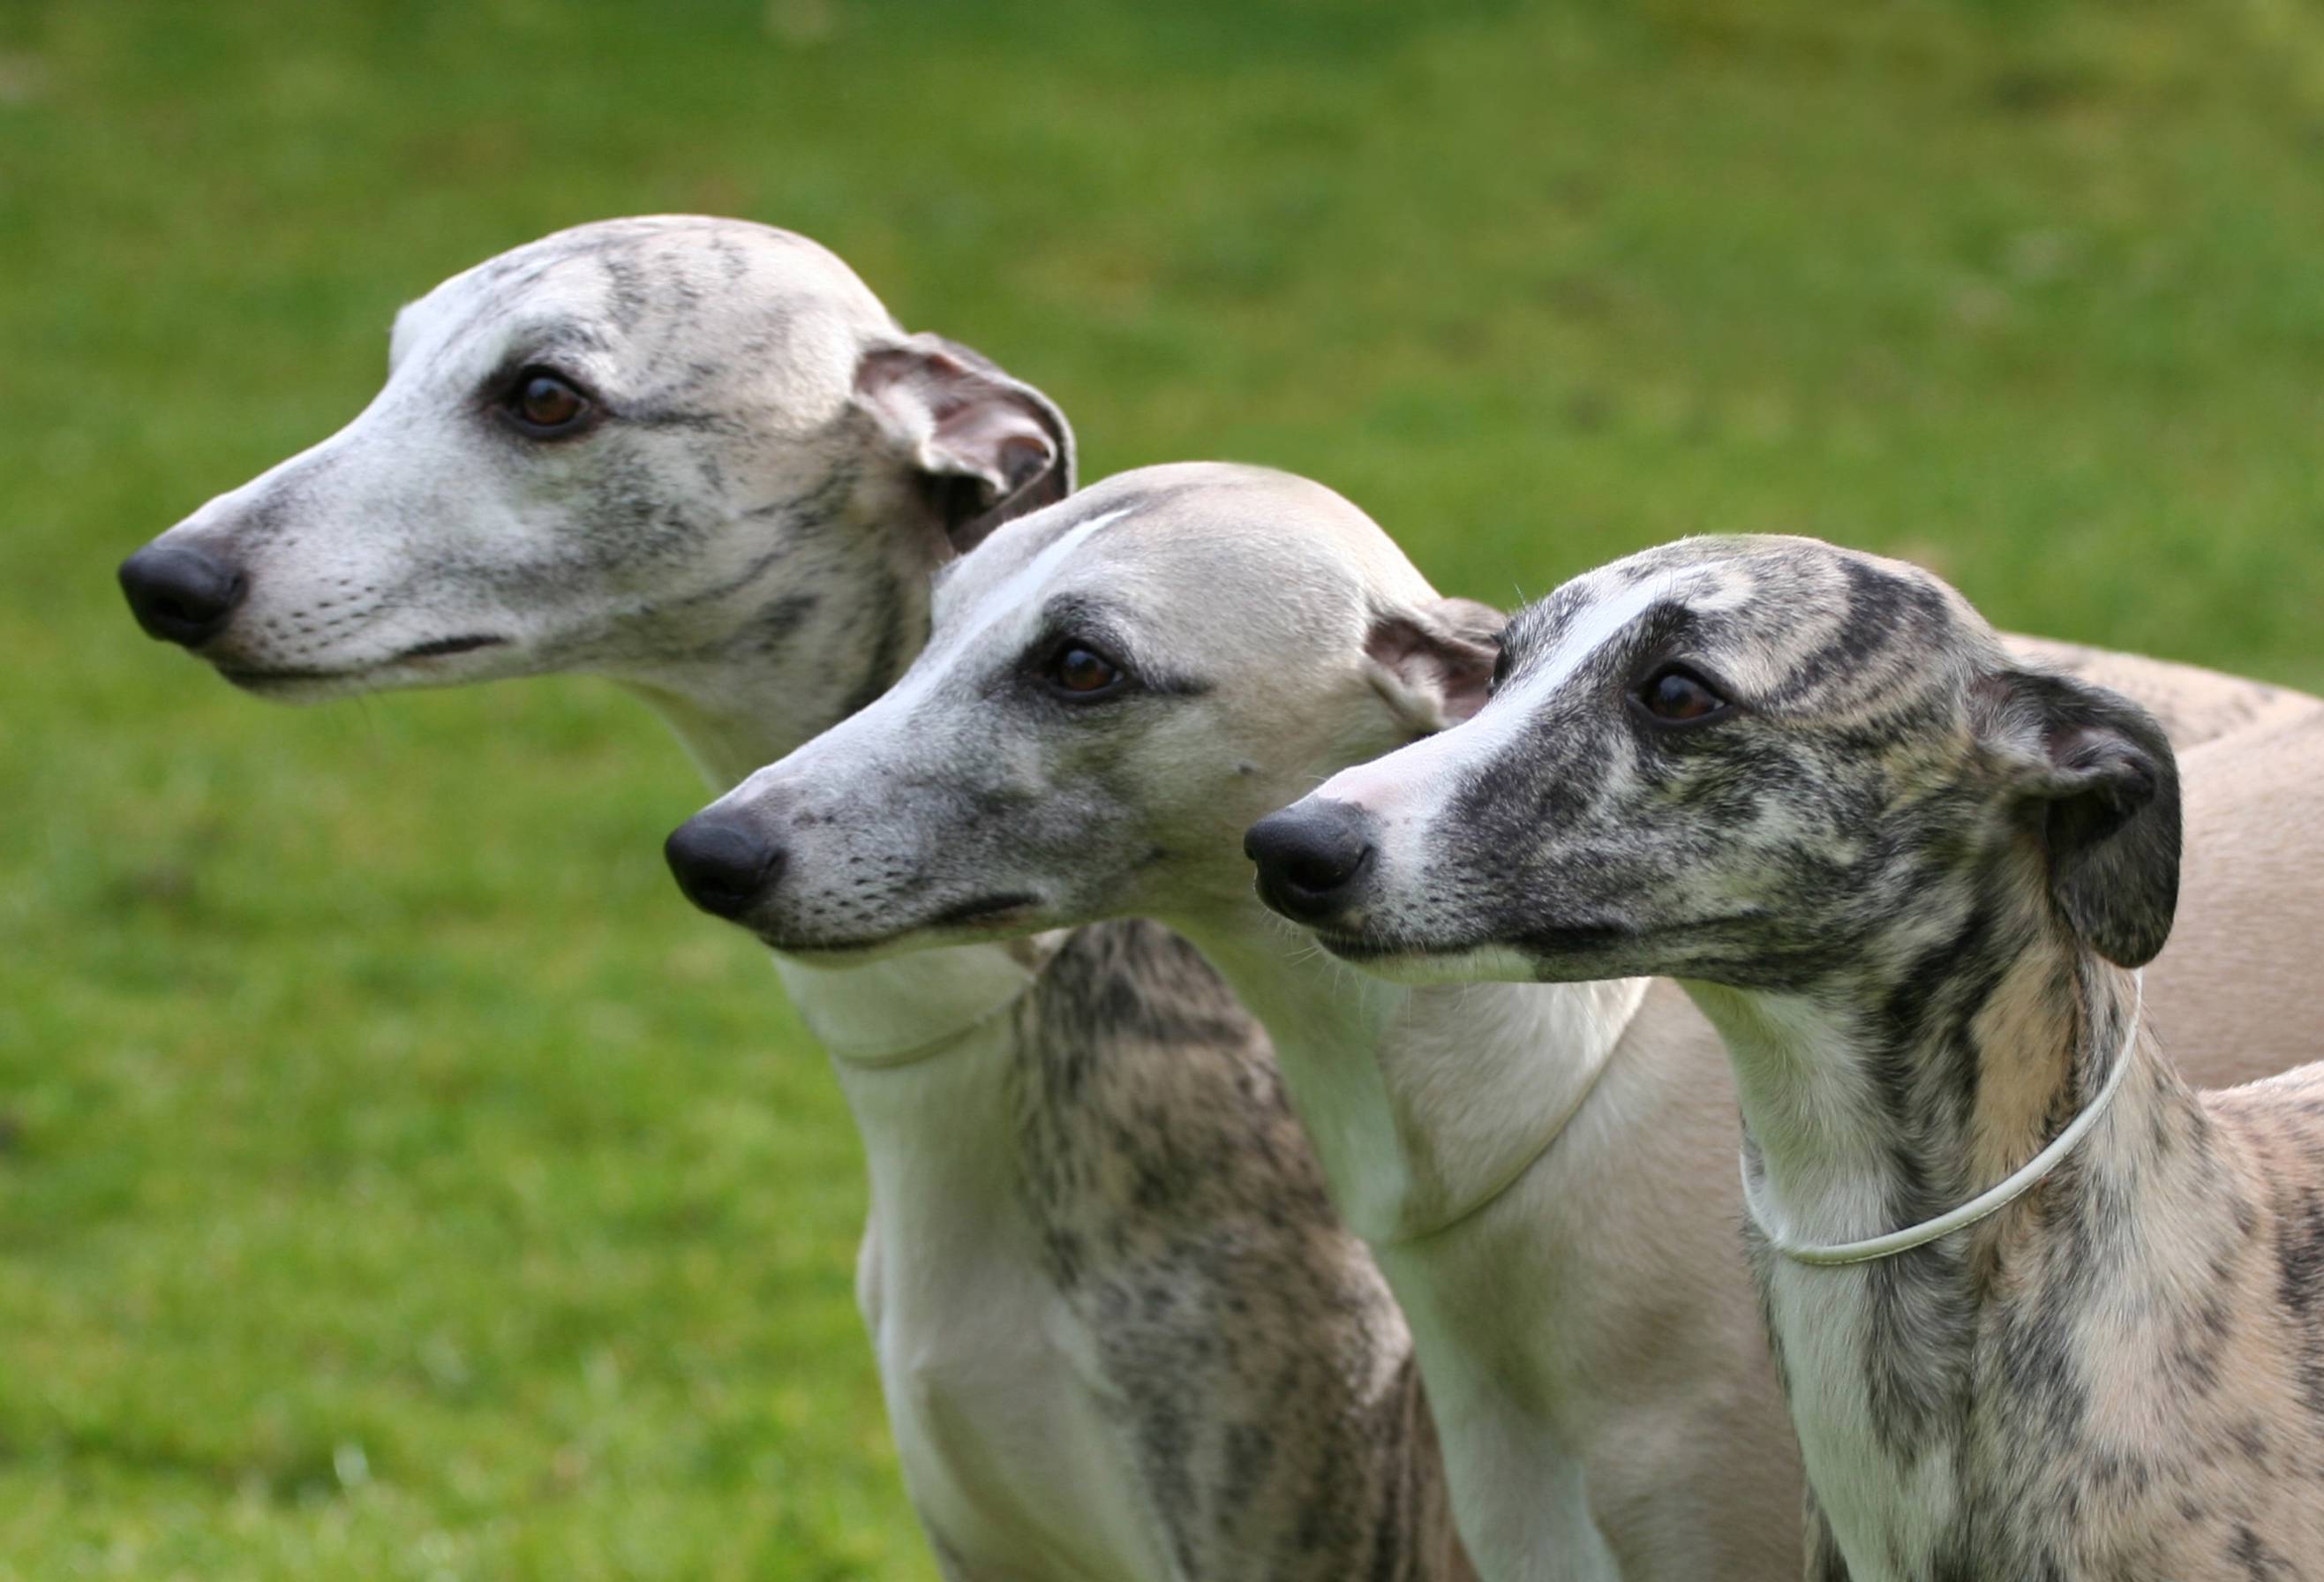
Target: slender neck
{"points": [[1873, 1108], [1423, 1104], [735, 719], [829, 610], [732, 720]]}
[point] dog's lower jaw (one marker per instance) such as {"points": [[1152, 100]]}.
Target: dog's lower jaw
{"points": [[424, 664], [1404, 961], [832, 953], [301, 686], [294, 686], [985, 913], [997, 922]]}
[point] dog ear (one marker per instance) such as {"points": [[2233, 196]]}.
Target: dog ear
{"points": [[983, 446], [1434, 663], [2103, 777]]}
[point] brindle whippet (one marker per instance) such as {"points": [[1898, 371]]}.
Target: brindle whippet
{"points": [[2040, 1309]]}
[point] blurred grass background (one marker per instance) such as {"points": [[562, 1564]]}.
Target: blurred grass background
{"points": [[396, 1180]]}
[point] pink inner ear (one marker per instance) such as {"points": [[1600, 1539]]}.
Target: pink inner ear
{"points": [[960, 419], [996, 440], [924, 375], [1396, 644], [984, 448], [1453, 670]]}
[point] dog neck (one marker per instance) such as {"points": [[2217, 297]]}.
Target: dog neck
{"points": [[732, 725], [1869, 1105], [735, 719], [1425, 1104], [1872, 1106], [828, 612]]}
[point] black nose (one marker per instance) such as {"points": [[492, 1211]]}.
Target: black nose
{"points": [[181, 594], [1311, 858], [723, 866]]}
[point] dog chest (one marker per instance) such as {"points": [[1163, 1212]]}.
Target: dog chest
{"points": [[1014, 1457]]}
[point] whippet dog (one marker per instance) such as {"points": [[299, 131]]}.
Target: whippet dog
{"points": [[2040, 1310], [1120, 1333], [1114, 687]]}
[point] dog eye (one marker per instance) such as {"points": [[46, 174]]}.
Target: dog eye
{"points": [[1501, 667], [542, 403], [1083, 671], [1677, 695]]}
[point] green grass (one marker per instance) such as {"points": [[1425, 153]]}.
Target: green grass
{"points": [[395, 1179]]}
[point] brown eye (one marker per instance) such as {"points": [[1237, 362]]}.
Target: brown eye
{"points": [[1083, 671], [544, 403], [1677, 695]]}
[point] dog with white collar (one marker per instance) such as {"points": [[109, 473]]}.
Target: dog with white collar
{"points": [[2040, 1310]]}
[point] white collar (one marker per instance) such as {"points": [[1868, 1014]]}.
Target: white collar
{"points": [[1989, 1201]]}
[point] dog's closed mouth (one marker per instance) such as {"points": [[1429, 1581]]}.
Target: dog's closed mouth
{"points": [[1384, 950], [1357, 947], [439, 646], [786, 946], [253, 678], [981, 910]]}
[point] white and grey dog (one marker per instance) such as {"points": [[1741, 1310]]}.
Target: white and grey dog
{"points": [[1114, 687], [1120, 1332], [1905, 874]]}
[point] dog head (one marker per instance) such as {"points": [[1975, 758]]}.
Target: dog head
{"points": [[647, 448], [1112, 688], [1755, 761]]}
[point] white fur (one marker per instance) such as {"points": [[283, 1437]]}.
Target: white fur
{"points": [[1804, 1093], [1003, 1427], [1009, 1442]]}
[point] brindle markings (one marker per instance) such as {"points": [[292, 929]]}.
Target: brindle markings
{"points": [[1178, 1180], [1912, 947]]}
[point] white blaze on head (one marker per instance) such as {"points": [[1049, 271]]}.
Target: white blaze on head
{"points": [[1017, 592], [1015, 597], [1411, 785]]}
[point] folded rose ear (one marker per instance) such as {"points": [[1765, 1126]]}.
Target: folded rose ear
{"points": [[2101, 773], [985, 446], [1434, 663]]}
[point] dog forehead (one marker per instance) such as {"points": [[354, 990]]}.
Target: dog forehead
{"points": [[1826, 629], [1578, 619], [724, 287], [1195, 538], [1000, 595], [1787, 622], [469, 317]]}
